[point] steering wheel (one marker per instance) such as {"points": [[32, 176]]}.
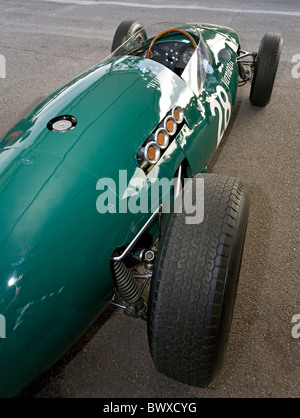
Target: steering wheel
{"points": [[168, 31]]}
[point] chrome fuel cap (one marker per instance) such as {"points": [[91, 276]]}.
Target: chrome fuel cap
{"points": [[62, 123]]}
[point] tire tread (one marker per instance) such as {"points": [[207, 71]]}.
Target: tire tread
{"points": [[266, 69], [187, 294]]}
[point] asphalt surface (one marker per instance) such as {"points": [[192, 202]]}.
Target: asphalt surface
{"points": [[45, 44]]}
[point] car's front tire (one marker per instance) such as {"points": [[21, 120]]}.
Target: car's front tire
{"points": [[265, 69], [194, 284], [125, 30]]}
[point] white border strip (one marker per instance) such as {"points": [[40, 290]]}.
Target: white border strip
{"points": [[177, 6]]}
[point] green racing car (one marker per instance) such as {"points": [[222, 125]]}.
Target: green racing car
{"points": [[105, 198]]}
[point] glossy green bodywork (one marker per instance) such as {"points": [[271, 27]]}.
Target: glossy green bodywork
{"points": [[55, 274]]}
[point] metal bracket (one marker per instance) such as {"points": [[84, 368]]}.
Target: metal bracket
{"points": [[138, 235], [244, 54]]}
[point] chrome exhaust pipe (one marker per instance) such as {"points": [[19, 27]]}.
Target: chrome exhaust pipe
{"points": [[177, 113], [170, 125], [161, 137], [150, 153]]}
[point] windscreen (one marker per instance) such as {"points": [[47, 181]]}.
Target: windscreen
{"points": [[195, 71]]}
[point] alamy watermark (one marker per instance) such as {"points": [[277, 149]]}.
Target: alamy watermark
{"points": [[296, 67], [2, 66], [2, 326], [142, 195], [296, 328]]}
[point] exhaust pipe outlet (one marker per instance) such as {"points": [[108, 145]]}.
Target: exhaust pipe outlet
{"points": [[150, 153], [177, 113], [162, 138], [170, 125]]}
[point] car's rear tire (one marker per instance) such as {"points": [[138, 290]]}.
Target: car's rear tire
{"points": [[265, 69], [194, 284], [125, 30]]}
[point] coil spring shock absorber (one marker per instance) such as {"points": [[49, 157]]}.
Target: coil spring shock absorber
{"points": [[125, 282], [129, 290]]}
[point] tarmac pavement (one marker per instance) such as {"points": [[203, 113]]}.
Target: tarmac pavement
{"points": [[47, 43]]}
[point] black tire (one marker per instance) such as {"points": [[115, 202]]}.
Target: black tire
{"points": [[194, 284], [126, 29], [265, 69]]}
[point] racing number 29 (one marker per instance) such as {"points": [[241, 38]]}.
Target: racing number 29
{"points": [[222, 104]]}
